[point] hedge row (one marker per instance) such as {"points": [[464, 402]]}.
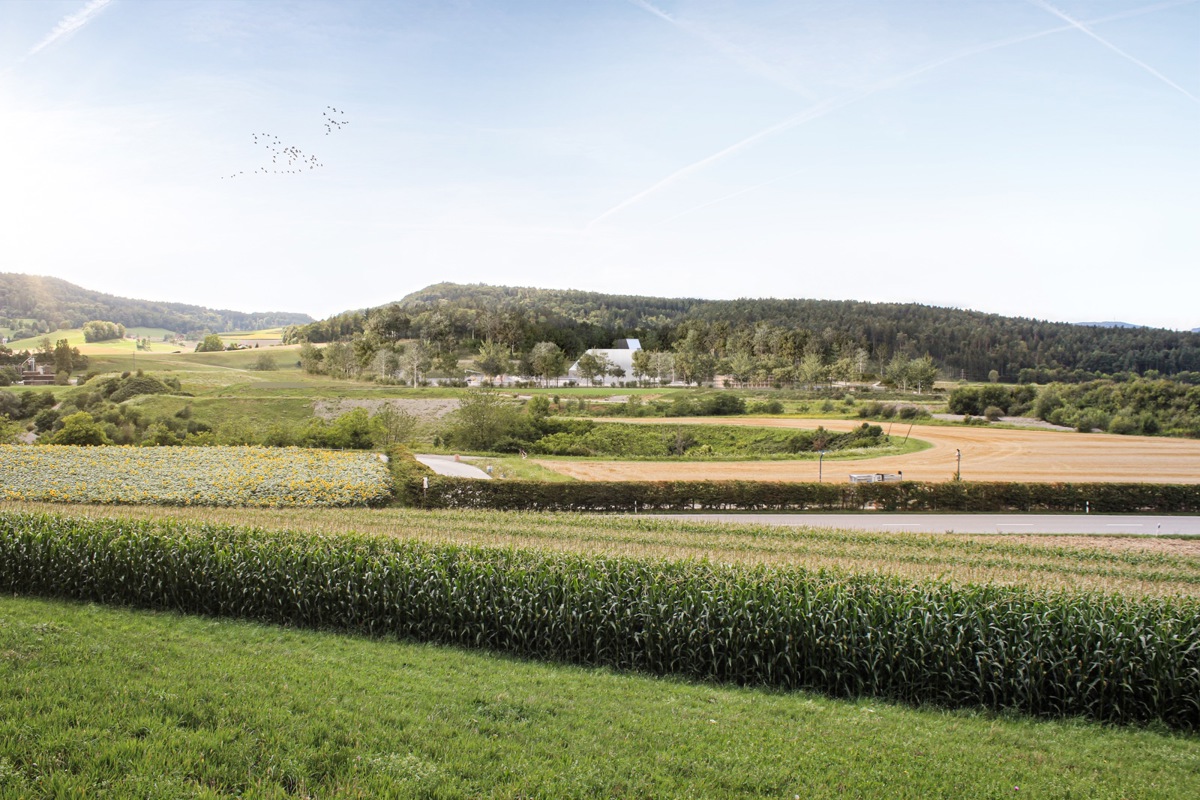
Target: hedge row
{"points": [[1046, 653], [633, 496]]}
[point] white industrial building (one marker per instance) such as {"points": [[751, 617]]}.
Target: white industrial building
{"points": [[619, 355]]}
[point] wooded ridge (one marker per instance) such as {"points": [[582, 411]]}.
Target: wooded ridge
{"points": [[37, 304], [965, 343]]}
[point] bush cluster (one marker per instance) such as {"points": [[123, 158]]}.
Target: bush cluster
{"points": [[1010, 401], [1103, 657], [877, 410]]}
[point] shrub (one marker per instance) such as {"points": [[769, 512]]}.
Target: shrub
{"points": [[79, 429], [133, 386], [264, 363]]}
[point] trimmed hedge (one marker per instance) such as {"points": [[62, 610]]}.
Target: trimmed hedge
{"points": [[633, 496], [1105, 657], [407, 474]]}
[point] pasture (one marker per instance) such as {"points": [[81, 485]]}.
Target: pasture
{"points": [[111, 347]]}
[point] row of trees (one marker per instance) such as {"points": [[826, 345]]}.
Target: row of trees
{"points": [[369, 355], [966, 344]]}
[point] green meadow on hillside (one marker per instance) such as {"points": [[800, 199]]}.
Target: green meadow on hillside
{"points": [[97, 700]]}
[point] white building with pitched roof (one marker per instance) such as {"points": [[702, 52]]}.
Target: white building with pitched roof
{"points": [[619, 355]]}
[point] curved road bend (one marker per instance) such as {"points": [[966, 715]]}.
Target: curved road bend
{"points": [[1086, 524], [446, 465]]}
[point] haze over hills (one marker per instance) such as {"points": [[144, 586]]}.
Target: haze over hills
{"points": [[964, 343], [40, 303]]}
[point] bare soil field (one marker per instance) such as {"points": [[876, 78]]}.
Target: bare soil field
{"points": [[988, 454]]}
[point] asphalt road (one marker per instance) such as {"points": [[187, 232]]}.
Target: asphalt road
{"points": [[970, 523], [446, 465]]}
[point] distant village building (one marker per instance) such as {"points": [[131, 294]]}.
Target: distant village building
{"points": [[35, 374], [619, 358]]}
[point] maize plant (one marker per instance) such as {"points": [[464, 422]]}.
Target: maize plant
{"points": [[1057, 653]]}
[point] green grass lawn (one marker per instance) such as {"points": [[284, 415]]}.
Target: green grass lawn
{"points": [[515, 468], [97, 701], [213, 411], [154, 334]]}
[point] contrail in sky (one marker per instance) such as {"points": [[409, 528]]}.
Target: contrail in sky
{"points": [[71, 23], [828, 106], [747, 60], [731, 195], [1085, 29]]}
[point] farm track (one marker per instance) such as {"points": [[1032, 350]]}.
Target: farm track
{"points": [[988, 454]]}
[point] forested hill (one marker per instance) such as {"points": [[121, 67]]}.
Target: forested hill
{"points": [[969, 343], [40, 304]]}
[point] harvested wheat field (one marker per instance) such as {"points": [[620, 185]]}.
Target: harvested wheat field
{"points": [[988, 454]]}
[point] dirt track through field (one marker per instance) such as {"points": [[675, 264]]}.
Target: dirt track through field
{"points": [[988, 454]]}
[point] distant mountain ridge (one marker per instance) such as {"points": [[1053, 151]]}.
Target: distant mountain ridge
{"points": [[1111, 324], [58, 303]]}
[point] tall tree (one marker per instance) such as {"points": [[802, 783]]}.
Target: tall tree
{"points": [[493, 359], [414, 361], [591, 365], [548, 361]]}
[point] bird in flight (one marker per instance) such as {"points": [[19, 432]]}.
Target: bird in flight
{"points": [[296, 159]]}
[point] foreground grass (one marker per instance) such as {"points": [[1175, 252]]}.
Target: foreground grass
{"points": [[123, 703], [1126, 565]]}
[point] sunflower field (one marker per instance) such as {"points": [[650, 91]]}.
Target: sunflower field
{"points": [[193, 476]]}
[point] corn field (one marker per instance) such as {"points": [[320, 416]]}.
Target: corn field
{"points": [[203, 476], [1105, 657], [1131, 566]]}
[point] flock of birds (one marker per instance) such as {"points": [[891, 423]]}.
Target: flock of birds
{"points": [[332, 122], [290, 160]]}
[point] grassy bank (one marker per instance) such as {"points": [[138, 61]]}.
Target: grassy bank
{"points": [[97, 701]]}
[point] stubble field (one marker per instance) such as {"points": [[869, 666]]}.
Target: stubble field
{"points": [[988, 454]]}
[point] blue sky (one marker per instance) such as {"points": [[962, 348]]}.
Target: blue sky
{"points": [[1017, 156]]}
